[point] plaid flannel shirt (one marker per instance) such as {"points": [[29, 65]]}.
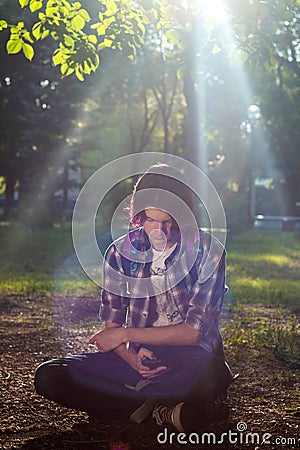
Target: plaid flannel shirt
{"points": [[198, 302]]}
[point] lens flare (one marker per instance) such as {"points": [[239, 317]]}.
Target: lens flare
{"points": [[95, 189]]}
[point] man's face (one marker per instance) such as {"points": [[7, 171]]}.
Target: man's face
{"points": [[158, 226]]}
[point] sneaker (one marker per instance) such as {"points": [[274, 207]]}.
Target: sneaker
{"points": [[164, 414], [187, 418]]}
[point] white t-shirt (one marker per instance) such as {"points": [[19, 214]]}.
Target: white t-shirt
{"points": [[162, 312]]}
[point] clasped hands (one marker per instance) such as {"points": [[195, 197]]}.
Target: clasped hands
{"points": [[111, 338]]}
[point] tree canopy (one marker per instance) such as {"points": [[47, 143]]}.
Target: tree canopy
{"points": [[82, 30], [170, 77]]}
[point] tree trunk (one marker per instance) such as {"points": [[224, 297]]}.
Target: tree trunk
{"points": [[193, 133], [10, 180]]}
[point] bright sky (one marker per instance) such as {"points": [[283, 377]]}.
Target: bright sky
{"points": [[215, 9]]}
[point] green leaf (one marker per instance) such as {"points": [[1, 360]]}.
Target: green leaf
{"points": [[69, 42], [172, 37], [216, 49], [180, 73], [111, 8], [15, 30], [58, 57], [107, 43], [27, 37], [142, 27], [3, 24], [78, 72], [28, 51], [101, 46], [101, 29], [37, 30], [35, 5], [96, 62], [66, 70], [51, 12], [78, 23], [92, 38], [23, 3], [14, 46], [45, 33], [85, 15], [87, 67]]}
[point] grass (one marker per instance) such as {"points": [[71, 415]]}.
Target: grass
{"points": [[40, 262], [263, 275], [263, 268]]}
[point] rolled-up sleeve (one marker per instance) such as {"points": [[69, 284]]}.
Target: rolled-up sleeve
{"points": [[113, 296]]}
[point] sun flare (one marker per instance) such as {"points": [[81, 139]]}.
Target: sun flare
{"points": [[215, 9]]}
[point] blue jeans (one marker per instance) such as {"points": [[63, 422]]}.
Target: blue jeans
{"points": [[98, 382]]}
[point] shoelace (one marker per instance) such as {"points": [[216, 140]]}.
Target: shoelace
{"points": [[162, 414]]}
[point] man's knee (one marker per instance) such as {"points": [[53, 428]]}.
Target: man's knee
{"points": [[51, 378]]}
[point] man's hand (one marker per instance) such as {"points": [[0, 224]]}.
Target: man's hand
{"points": [[108, 339], [111, 338], [145, 371]]}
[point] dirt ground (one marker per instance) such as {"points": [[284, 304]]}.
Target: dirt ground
{"points": [[264, 399]]}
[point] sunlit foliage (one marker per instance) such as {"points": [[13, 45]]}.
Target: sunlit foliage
{"points": [[81, 33]]}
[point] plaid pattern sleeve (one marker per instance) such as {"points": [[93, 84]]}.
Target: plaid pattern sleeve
{"points": [[206, 297], [113, 307]]}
